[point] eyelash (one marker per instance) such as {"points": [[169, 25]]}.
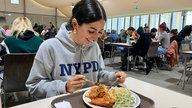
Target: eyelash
{"points": [[91, 32]]}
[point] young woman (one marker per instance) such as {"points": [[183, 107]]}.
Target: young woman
{"points": [[163, 38], [23, 38], [63, 64]]}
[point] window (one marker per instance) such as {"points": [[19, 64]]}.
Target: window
{"points": [[114, 24], [108, 24], [154, 21], [177, 21], [135, 22], [120, 24], [166, 17], [188, 18], [15, 1], [127, 22], [144, 20]]}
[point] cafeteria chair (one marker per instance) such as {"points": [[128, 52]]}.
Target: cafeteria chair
{"points": [[17, 67], [148, 59], [185, 46]]}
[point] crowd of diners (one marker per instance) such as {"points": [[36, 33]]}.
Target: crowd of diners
{"points": [[143, 36]]}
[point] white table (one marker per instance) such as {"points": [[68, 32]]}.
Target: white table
{"points": [[162, 97], [126, 45]]}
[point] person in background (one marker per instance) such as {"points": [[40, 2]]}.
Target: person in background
{"points": [[7, 30], [23, 38], [186, 31], [101, 43], [146, 28], [122, 36], [174, 36], [173, 33], [114, 36], [51, 25], [164, 39], [2, 30], [130, 31], [63, 64], [153, 34], [44, 32]]}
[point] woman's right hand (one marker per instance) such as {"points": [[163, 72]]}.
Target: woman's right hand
{"points": [[75, 83]]}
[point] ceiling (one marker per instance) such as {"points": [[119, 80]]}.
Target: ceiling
{"points": [[117, 8]]}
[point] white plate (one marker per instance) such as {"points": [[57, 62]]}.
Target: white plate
{"points": [[135, 96]]}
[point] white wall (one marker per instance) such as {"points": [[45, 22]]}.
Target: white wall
{"points": [[34, 11], [33, 7]]}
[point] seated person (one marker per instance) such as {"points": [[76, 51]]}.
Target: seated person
{"points": [[174, 36], [164, 39], [113, 35], [23, 38], [153, 33], [139, 48]]}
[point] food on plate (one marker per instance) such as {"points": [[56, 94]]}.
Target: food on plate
{"points": [[99, 96], [122, 96], [115, 97]]}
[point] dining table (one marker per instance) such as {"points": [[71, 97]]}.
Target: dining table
{"points": [[125, 45], [162, 97]]}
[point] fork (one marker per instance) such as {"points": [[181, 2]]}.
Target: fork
{"points": [[114, 82], [94, 83]]}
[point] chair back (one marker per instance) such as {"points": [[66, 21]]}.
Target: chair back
{"points": [[17, 67], [185, 45], [153, 50]]}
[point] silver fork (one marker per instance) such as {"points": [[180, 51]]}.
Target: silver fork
{"points": [[114, 82], [94, 83]]}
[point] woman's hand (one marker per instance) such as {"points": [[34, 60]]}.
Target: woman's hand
{"points": [[75, 83], [121, 75]]}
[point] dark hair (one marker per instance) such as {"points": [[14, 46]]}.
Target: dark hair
{"points": [[174, 31], [140, 30], [131, 28], [163, 26], [153, 30], [87, 11]]}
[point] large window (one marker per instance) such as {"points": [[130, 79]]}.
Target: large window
{"points": [[120, 24], [127, 22], [114, 24], [108, 25], [177, 21], [144, 20], [189, 18], [166, 17], [135, 22], [154, 21]]}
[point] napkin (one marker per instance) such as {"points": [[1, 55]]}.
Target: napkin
{"points": [[63, 104]]}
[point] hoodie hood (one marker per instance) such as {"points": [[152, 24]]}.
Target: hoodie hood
{"points": [[28, 34], [64, 37]]}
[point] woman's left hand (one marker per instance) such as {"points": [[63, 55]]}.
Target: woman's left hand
{"points": [[121, 75]]}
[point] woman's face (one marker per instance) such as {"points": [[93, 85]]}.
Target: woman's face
{"points": [[89, 32]]}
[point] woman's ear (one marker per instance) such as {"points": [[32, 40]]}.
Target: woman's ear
{"points": [[74, 23]]}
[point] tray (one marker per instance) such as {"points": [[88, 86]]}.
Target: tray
{"points": [[76, 101]]}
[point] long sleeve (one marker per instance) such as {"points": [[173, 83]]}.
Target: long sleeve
{"points": [[40, 82]]}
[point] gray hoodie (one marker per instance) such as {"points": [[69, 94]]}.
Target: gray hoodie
{"points": [[60, 58]]}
